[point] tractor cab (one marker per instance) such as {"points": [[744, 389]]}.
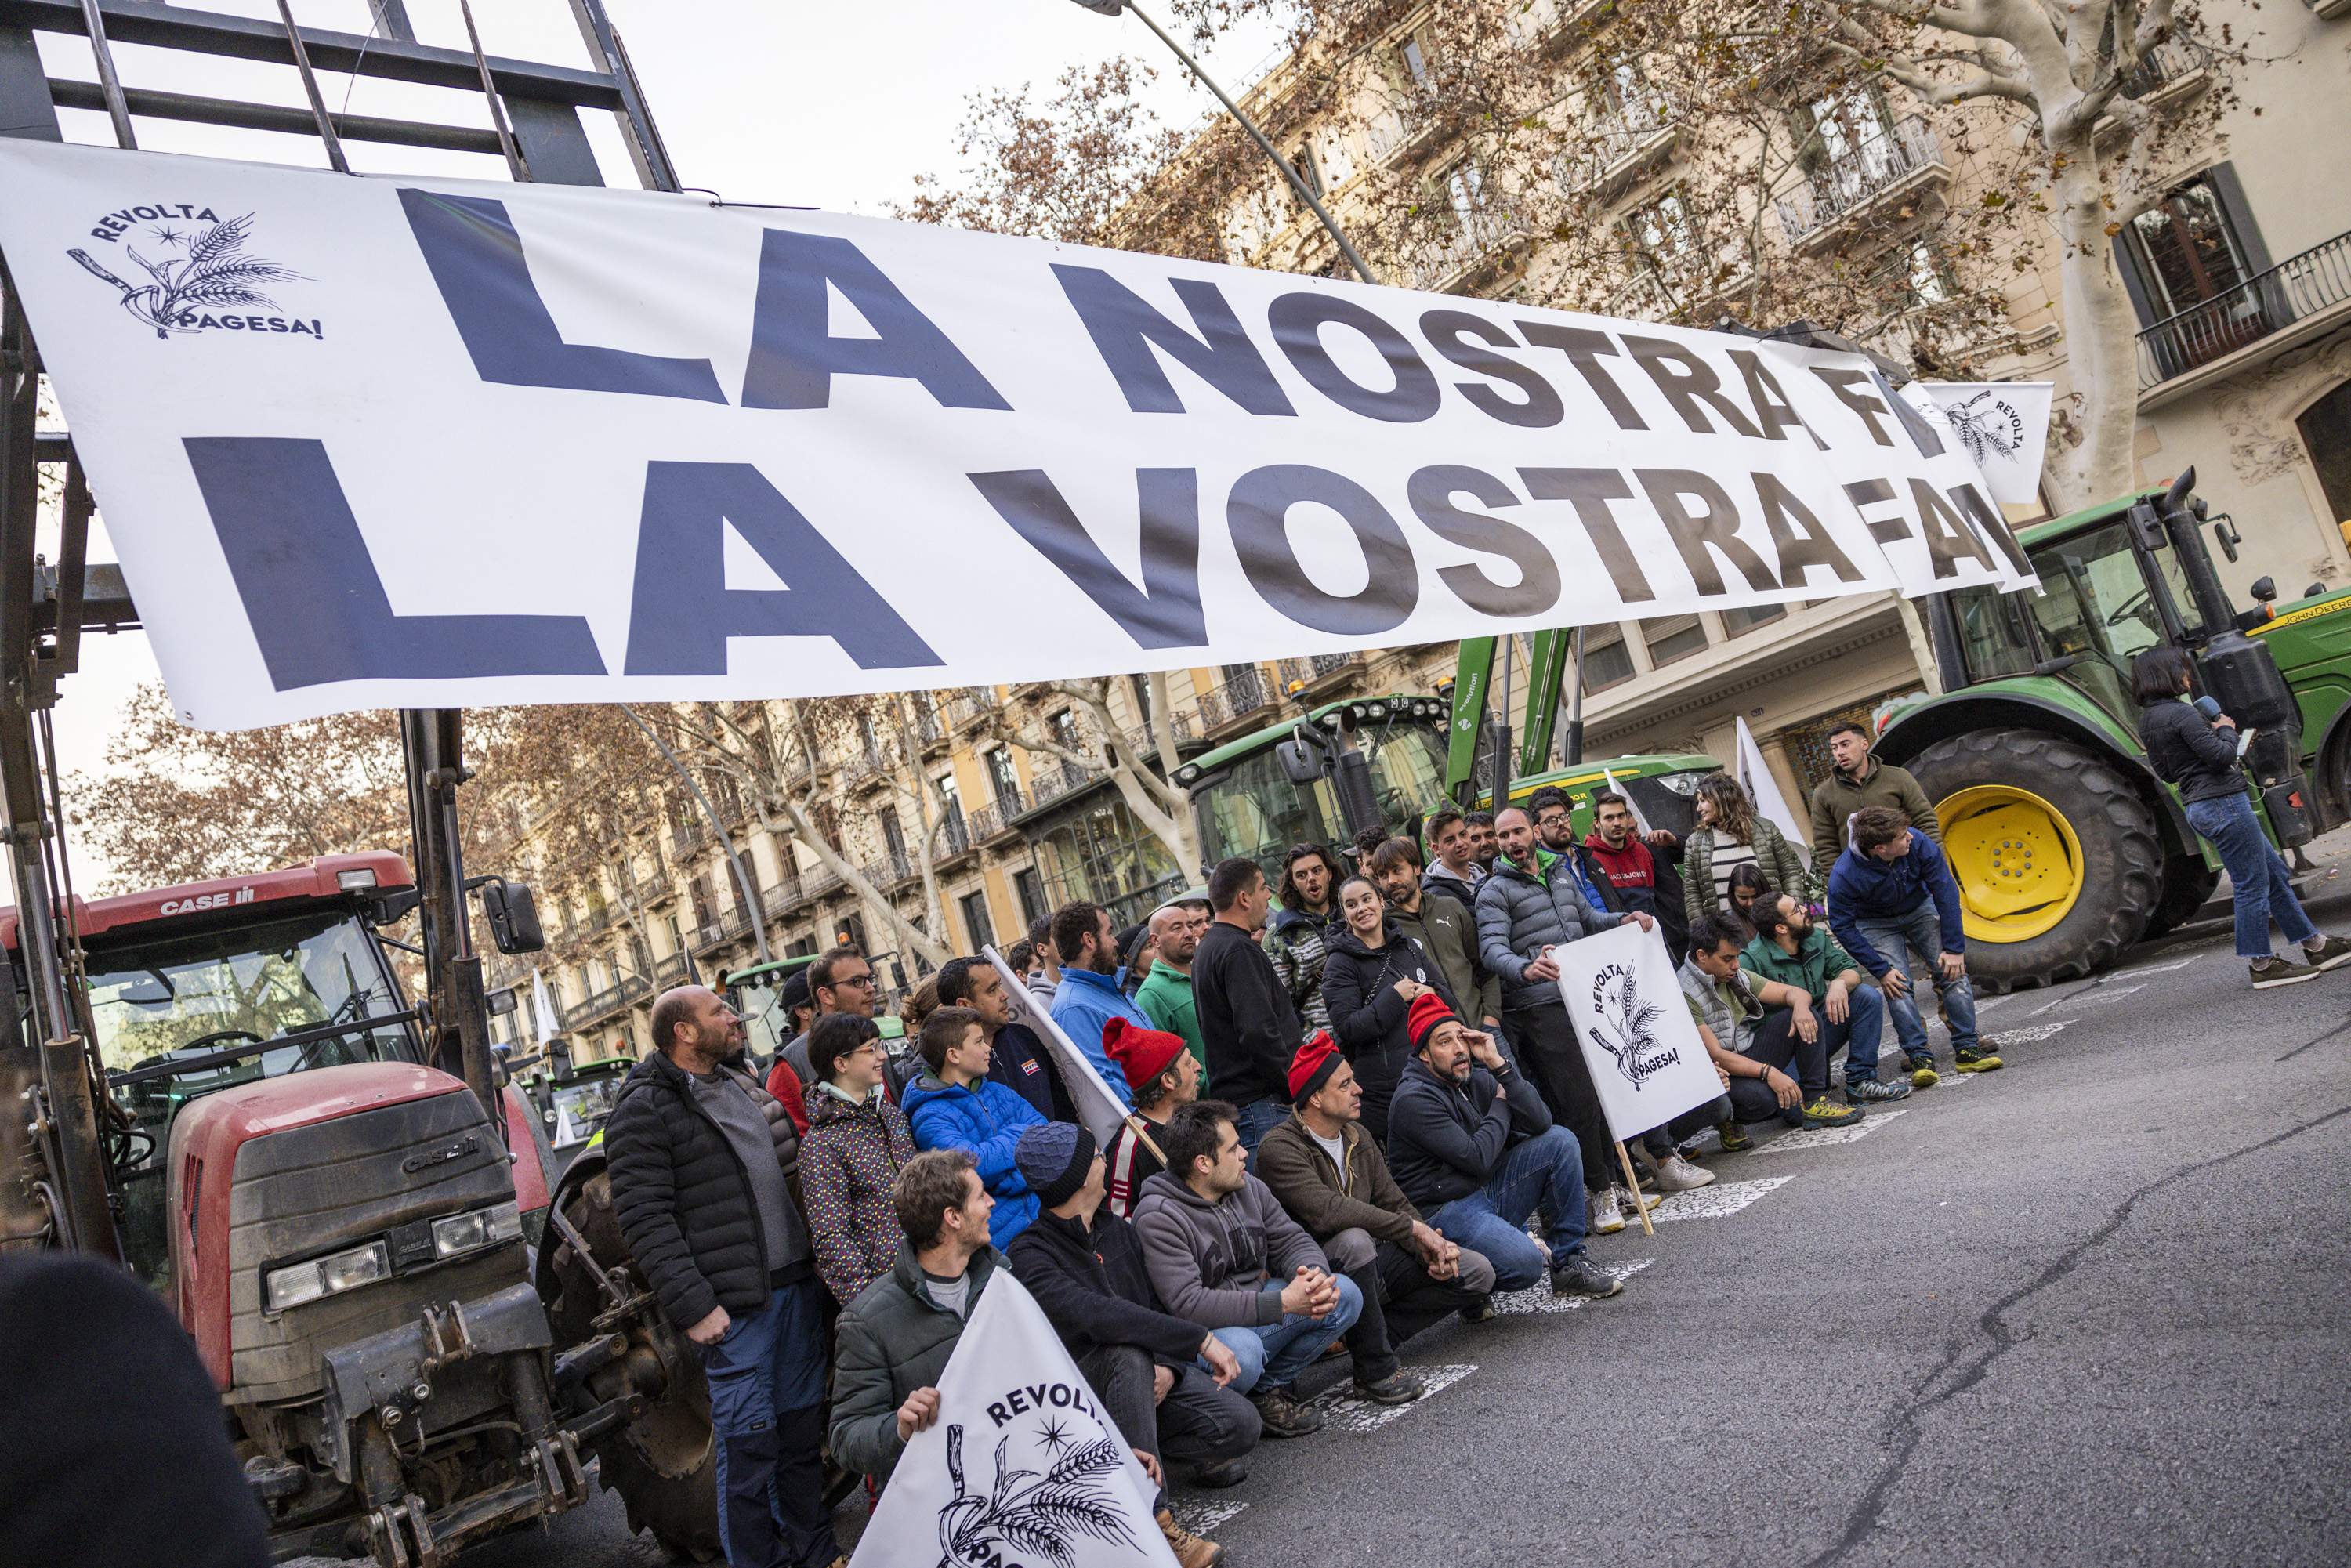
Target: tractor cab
{"points": [[757, 995], [1264, 792]]}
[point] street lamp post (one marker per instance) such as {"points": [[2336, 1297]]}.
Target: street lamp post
{"points": [[1288, 171]]}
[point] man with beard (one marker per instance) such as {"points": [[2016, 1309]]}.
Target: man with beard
{"points": [[1017, 1058], [1637, 870], [1296, 943], [1440, 923], [1090, 996], [1798, 951]]}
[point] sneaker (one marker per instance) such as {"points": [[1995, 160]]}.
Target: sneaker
{"points": [[1677, 1175], [1826, 1112], [1607, 1219], [1220, 1474], [1644, 1168], [1479, 1311], [1859, 1091], [1736, 1139], [1633, 1206], [1190, 1550], [2332, 952], [1985, 1061], [1283, 1414], [1401, 1386], [1579, 1276], [1922, 1071]]}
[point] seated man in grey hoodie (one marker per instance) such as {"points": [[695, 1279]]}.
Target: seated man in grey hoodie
{"points": [[1222, 1253]]}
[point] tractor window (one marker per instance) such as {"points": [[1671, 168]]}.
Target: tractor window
{"points": [[2098, 601], [1992, 634], [1255, 810]]}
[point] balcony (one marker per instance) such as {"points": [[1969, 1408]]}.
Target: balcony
{"points": [[865, 766], [1049, 785], [1146, 743], [1617, 145], [972, 706], [1475, 247], [2300, 298], [995, 818], [1232, 700], [1403, 134], [930, 727], [599, 919], [670, 971], [1904, 160], [892, 872], [1301, 677], [779, 897], [1556, 26], [687, 835], [601, 1005]]}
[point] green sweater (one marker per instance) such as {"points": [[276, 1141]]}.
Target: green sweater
{"points": [[1809, 969], [1165, 999], [1838, 797]]}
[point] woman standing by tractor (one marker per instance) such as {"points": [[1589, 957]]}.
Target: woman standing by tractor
{"points": [[1730, 835]]}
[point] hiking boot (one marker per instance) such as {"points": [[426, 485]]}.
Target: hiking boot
{"points": [[1922, 1071], [1982, 1061], [1677, 1175], [1826, 1112], [1607, 1219], [1401, 1386], [1220, 1474], [1283, 1414], [2332, 952], [1861, 1091], [1190, 1550], [1579, 1276], [1479, 1311], [1736, 1139]]}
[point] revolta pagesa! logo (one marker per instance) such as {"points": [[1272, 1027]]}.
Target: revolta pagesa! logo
{"points": [[201, 275]]}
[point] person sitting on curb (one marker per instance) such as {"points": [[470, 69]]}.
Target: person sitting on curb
{"points": [[1085, 1267], [956, 1106], [1329, 1172], [1765, 1024], [1222, 1253], [1164, 1077], [1891, 895], [1475, 1150], [1796, 950]]}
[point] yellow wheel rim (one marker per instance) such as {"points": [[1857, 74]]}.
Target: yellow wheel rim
{"points": [[2017, 859]]}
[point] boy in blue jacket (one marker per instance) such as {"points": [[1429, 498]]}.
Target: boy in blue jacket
{"points": [[1892, 894], [956, 1105]]}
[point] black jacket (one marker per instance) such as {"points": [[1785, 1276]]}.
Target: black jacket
{"points": [[1095, 1288], [1019, 1060], [1247, 1023], [684, 1200], [1445, 1139], [1368, 1017], [2190, 753]]}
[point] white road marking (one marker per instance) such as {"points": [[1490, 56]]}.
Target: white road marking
{"points": [[1200, 1515], [2103, 994], [1345, 1411], [1823, 1137], [1722, 1199], [2027, 1034], [1539, 1299], [2159, 968], [1985, 1004]]}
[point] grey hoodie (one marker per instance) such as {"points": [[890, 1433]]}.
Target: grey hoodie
{"points": [[1221, 1264]]}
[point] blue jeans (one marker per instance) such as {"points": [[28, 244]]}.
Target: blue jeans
{"points": [[766, 1408], [1274, 1355], [1861, 1033], [2258, 874], [1258, 1118], [1546, 1169], [1920, 932]]}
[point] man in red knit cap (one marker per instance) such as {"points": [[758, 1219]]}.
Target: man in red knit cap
{"points": [[1164, 1077]]}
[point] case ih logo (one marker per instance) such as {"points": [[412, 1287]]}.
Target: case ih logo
{"points": [[205, 901], [201, 287]]}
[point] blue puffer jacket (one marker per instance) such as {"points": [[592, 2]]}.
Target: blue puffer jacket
{"points": [[1520, 912], [1863, 887], [1083, 1004], [987, 1118]]}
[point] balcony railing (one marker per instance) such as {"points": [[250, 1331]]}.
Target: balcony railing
{"points": [[2167, 64], [971, 706], [2295, 289], [995, 817], [599, 919], [1901, 156], [952, 837], [1233, 699], [863, 764], [688, 835], [1478, 239], [930, 726], [601, 1004], [1616, 143], [781, 894], [670, 970], [1050, 784], [1146, 743], [1553, 27], [1309, 672], [891, 870]]}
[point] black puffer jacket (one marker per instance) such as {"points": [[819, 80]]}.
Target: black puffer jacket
{"points": [[2190, 753], [1094, 1286], [1367, 1016], [684, 1200]]}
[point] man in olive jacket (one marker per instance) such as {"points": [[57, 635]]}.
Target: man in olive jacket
{"points": [[1860, 779]]}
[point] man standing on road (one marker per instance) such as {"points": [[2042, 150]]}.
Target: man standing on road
{"points": [[1764, 1023], [1485, 841], [1893, 896], [841, 981], [701, 1162], [1048, 978], [1296, 944], [1165, 996], [1455, 871], [1641, 870], [1088, 996], [1440, 923], [1017, 1058], [1246, 1019], [1475, 1147], [1858, 779], [1329, 1174]]}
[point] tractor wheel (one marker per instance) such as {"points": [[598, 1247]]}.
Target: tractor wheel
{"points": [[664, 1464], [2188, 882], [2057, 859]]}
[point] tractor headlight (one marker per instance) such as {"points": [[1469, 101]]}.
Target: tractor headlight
{"points": [[338, 1271], [473, 1231]]}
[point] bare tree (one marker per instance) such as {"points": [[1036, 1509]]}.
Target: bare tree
{"points": [[1159, 804]]}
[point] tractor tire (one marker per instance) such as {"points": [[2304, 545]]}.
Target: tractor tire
{"points": [[2099, 877], [2188, 882]]}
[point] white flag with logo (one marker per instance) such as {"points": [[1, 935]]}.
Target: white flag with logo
{"points": [[1644, 1053], [1022, 1465], [1102, 1111], [542, 1008], [2003, 425], [1755, 777], [1640, 819]]}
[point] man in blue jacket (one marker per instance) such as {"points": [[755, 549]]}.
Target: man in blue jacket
{"points": [[1089, 995], [956, 1105], [1891, 895]]}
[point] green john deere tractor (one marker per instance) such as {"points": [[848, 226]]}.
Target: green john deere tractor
{"points": [[2066, 846]]}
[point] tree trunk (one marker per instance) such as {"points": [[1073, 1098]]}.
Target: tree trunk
{"points": [[2101, 334]]}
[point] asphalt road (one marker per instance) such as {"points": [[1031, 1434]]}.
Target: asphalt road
{"points": [[2089, 1309]]}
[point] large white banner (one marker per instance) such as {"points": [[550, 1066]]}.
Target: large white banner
{"points": [[378, 442], [1643, 1051], [1022, 1465]]}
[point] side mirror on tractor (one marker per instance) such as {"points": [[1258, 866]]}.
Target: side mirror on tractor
{"points": [[2264, 590], [513, 916]]}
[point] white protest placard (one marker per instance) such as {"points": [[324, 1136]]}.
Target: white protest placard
{"points": [[1022, 1465], [1102, 1111], [389, 441], [1644, 1053], [2003, 427]]}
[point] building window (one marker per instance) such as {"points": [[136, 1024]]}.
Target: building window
{"points": [[1028, 885], [1301, 158], [1139, 688], [1930, 282], [1465, 191], [1104, 855], [1415, 61], [1338, 163], [1607, 662], [1003, 781], [1673, 637], [894, 837], [976, 930], [1746, 617], [1065, 731], [2325, 427], [2187, 250]]}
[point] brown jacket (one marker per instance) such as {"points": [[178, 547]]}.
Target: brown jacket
{"points": [[1837, 797], [1303, 1178]]}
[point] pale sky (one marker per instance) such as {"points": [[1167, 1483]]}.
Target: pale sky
{"points": [[829, 106]]}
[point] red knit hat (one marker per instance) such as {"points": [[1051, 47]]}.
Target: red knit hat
{"points": [[1143, 1053], [1312, 1066], [1428, 1010]]}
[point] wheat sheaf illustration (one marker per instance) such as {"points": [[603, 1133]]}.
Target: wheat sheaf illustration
{"points": [[215, 274], [1622, 1030], [1041, 1515], [1979, 429]]}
